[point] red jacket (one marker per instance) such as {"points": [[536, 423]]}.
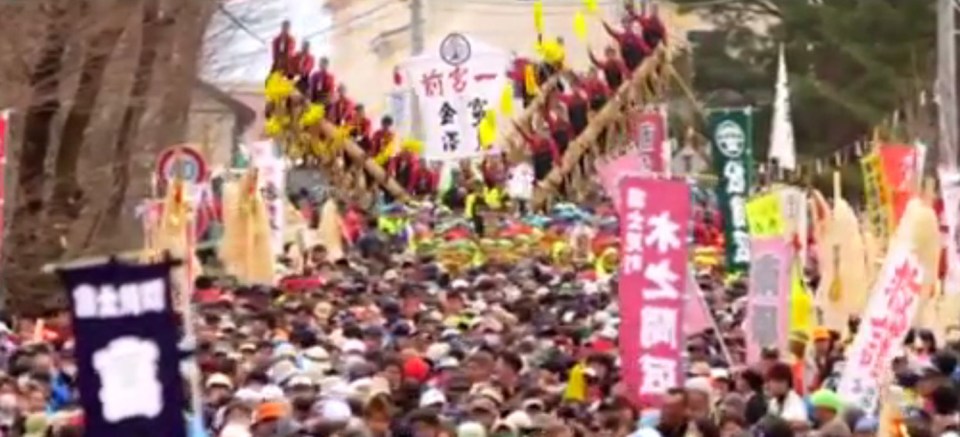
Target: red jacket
{"points": [[283, 47], [405, 157], [540, 144], [322, 82], [360, 125], [304, 64], [379, 141], [340, 110]]}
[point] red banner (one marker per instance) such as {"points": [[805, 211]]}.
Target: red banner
{"points": [[649, 131], [653, 272], [899, 164]]}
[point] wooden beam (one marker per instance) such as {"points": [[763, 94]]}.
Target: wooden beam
{"points": [[514, 145], [358, 155], [607, 116]]}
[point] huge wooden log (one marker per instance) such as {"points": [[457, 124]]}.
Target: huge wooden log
{"points": [[628, 93], [358, 155]]}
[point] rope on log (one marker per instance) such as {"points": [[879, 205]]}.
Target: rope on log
{"points": [[607, 116]]}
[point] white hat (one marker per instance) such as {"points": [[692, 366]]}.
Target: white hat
{"points": [[316, 353], [391, 275], [219, 379], [699, 383], [438, 351], [248, 395], [519, 419], [272, 393], [609, 332], [448, 363], [459, 283], [471, 429], [432, 397], [719, 373], [299, 380], [353, 346], [335, 410]]}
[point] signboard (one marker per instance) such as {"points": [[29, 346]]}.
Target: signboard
{"points": [[454, 90], [183, 161]]}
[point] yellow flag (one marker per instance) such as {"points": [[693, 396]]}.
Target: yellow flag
{"points": [[591, 6], [506, 100], [576, 384], [764, 217], [538, 15], [801, 304], [488, 129], [530, 80], [580, 26]]}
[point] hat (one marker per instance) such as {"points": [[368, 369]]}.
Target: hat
{"points": [[825, 398], [700, 384], [353, 346], [417, 369], [335, 410], [800, 337], [459, 284], [299, 380], [471, 429], [432, 397], [699, 368], [719, 373], [520, 420], [484, 403], [821, 333], [437, 351], [269, 411], [219, 379]]}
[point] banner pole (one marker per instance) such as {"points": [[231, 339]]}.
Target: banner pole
{"points": [[189, 324]]}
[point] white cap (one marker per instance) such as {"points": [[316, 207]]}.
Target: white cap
{"points": [[432, 397], [300, 380], [335, 410], [609, 332], [353, 346], [519, 419], [459, 283], [219, 379], [438, 351], [272, 393]]}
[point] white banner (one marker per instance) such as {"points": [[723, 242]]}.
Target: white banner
{"points": [[950, 193], [271, 179], [893, 304], [453, 97]]}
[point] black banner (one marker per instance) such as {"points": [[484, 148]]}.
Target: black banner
{"points": [[128, 367]]}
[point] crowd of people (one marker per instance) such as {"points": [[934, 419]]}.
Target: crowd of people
{"points": [[387, 339]]}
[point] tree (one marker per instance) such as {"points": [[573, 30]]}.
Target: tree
{"points": [[852, 62]]}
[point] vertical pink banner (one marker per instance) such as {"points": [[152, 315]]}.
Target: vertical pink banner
{"points": [[612, 172], [768, 311], [649, 129], [653, 274]]}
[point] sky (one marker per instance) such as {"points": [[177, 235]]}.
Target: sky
{"points": [[241, 53]]}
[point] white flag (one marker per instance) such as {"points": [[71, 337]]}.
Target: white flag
{"points": [[782, 147]]}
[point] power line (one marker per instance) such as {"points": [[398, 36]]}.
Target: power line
{"points": [[239, 23]]}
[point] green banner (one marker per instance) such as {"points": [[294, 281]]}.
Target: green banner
{"points": [[731, 138]]}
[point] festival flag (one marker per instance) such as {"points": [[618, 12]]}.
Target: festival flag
{"points": [[764, 216], [793, 208], [696, 314], [653, 273], [731, 136], [899, 166], [580, 26], [126, 343], [782, 147], [893, 303], [801, 303], [768, 311], [876, 193], [538, 16]]}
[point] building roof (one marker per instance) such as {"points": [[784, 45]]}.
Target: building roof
{"points": [[245, 114]]}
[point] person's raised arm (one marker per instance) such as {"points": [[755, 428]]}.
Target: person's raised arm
{"points": [[632, 12], [610, 31], [593, 59]]}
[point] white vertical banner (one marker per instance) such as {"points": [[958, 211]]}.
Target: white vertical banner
{"points": [[893, 303], [455, 84], [271, 180], [950, 216], [782, 145]]}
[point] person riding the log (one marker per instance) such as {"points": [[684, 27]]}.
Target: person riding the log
{"points": [[303, 63], [633, 47], [654, 32], [613, 67], [544, 150], [322, 83], [283, 49]]}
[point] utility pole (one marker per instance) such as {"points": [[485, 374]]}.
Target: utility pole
{"points": [[946, 83], [416, 49], [416, 27]]}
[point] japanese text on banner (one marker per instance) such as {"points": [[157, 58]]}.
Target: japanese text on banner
{"points": [[649, 130], [950, 227], [893, 303], [453, 100], [876, 196], [654, 225], [768, 311], [731, 136], [899, 168]]}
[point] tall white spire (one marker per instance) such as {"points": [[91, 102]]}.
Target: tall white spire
{"points": [[782, 147]]}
